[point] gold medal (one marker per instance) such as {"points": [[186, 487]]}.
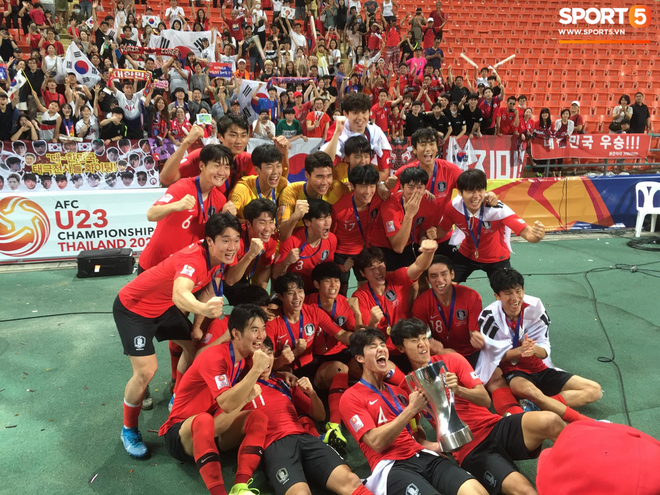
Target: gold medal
{"points": [[389, 330], [476, 254]]}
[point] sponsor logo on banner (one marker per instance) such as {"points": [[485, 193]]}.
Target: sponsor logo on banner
{"points": [[22, 234]]}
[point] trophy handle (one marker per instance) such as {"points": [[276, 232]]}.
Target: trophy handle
{"points": [[444, 382]]}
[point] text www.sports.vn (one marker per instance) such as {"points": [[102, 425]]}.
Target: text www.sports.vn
{"points": [[589, 31]]}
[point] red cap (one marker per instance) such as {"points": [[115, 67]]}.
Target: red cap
{"points": [[596, 458], [297, 94]]}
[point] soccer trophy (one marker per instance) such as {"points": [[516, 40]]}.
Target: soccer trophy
{"points": [[452, 432]]}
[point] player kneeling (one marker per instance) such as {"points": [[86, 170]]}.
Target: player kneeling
{"points": [[291, 455], [209, 402], [497, 441]]}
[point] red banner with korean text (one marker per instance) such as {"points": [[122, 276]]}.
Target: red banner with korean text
{"points": [[592, 146]]}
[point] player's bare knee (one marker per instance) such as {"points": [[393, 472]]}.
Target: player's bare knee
{"points": [[299, 489], [553, 425], [525, 489], [339, 367], [472, 487], [145, 374], [594, 392]]}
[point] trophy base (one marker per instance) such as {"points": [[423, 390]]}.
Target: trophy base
{"points": [[455, 440]]}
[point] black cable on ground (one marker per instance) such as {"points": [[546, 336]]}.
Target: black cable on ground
{"points": [[57, 314], [645, 243]]}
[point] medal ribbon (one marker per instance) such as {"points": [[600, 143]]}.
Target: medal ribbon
{"points": [[451, 309], [288, 327], [235, 372], [386, 313], [475, 239], [395, 407], [304, 244], [283, 389]]}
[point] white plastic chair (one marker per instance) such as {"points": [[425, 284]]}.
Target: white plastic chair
{"points": [[647, 190]]}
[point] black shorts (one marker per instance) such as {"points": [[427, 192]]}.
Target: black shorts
{"points": [[394, 260], [173, 444], [463, 267], [426, 473], [300, 459], [140, 269], [137, 332], [310, 370], [549, 381], [340, 259], [492, 460]]}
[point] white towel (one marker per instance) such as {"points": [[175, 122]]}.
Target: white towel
{"points": [[493, 326]]}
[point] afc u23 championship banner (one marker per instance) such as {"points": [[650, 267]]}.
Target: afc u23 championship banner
{"points": [[42, 226], [592, 146], [33, 166]]}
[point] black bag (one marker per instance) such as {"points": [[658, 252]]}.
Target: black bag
{"points": [[104, 262]]}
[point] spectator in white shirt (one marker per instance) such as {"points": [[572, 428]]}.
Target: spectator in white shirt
{"points": [[263, 127], [174, 13]]}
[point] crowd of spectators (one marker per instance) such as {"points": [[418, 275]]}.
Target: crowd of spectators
{"points": [[318, 52]]}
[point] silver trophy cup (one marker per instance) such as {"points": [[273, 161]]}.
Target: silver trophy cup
{"points": [[452, 432]]}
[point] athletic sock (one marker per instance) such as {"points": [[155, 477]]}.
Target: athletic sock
{"points": [[395, 377], [175, 355], [206, 453], [131, 413], [338, 386], [505, 402], [571, 415], [361, 490], [308, 425], [252, 446], [559, 398]]}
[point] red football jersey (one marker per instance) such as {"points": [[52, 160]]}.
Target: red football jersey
{"points": [[213, 372], [478, 418], [507, 120], [363, 409], [492, 244], [393, 302], [390, 219], [189, 167], [282, 405], [467, 308], [266, 258], [180, 228], [489, 111], [530, 364], [215, 330], [309, 256], [312, 322], [343, 317], [352, 236], [150, 294], [380, 115]]}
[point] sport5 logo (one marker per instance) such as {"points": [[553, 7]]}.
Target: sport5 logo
{"points": [[24, 227], [639, 16]]}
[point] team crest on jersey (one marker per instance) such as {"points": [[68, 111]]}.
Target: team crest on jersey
{"points": [[442, 186], [402, 399], [309, 329], [461, 314], [486, 224], [374, 213], [341, 320], [412, 489], [390, 295], [282, 476], [324, 254], [139, 342], [420, 221]]}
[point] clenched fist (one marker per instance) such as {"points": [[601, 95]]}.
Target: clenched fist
{"points": [[293, 256], [302, 208], [260, 361], [376, 316], [287, 354], [301, 346], [428, 246], [256, 247], [230, 207], [213, 307], [186, 203]]}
